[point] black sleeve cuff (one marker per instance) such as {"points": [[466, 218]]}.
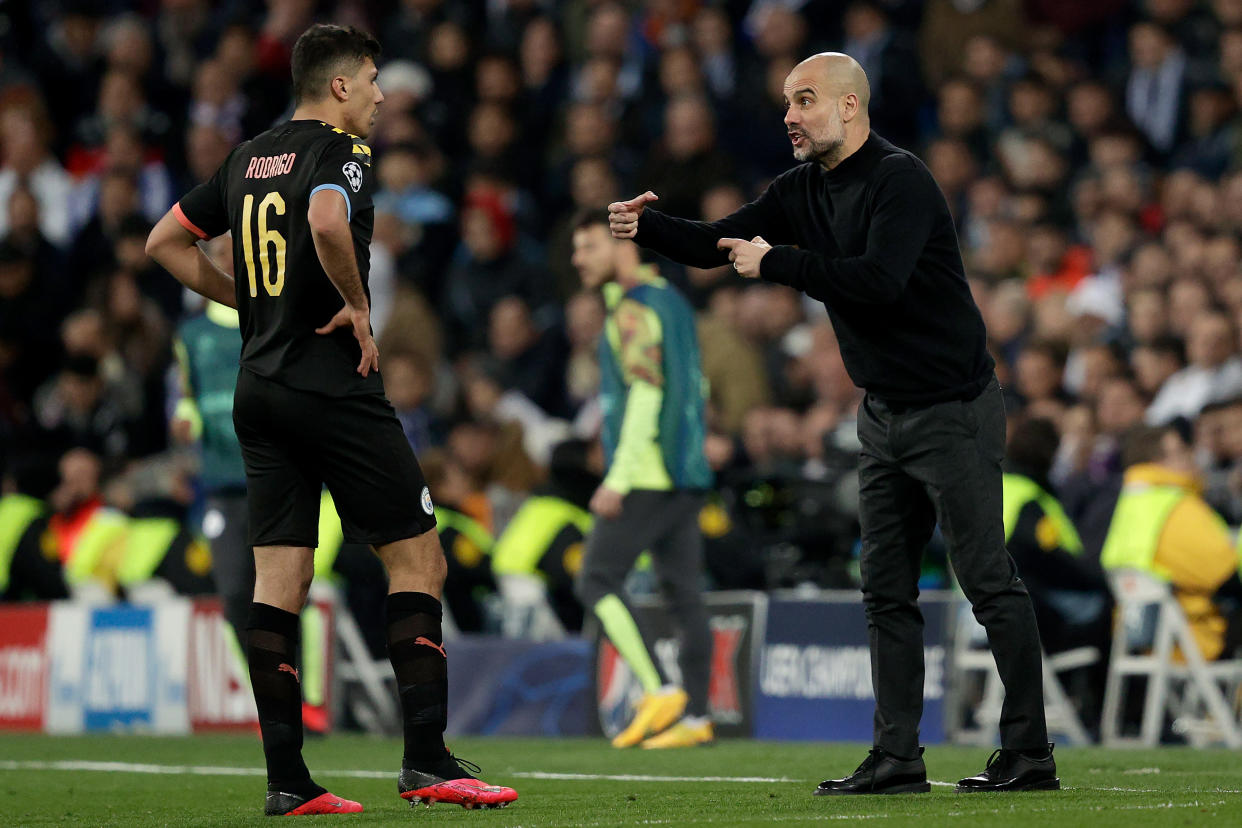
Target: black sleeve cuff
{"points": [[775, 266]]}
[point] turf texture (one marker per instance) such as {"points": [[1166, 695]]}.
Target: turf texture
{"points": [[217, 780]]}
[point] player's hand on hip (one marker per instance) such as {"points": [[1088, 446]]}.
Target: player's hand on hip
{"points": [[745, 255], [606, 503], [623, 215], [359, 320]]}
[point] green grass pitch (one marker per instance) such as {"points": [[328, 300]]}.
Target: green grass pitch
{"points": [[217, 780]]}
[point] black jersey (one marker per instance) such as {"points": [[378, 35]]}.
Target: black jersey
{"points": [[262, 193]]}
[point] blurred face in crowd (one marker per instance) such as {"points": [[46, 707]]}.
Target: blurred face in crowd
{"points": [[1039, 375], [540, 51], [592, 182], [679, 72], [79, 480], [491, 129], [206, 149], [688, 128], [1119, 406], [588, 130], [1151, 267], [496, 79], [23, 212], [1147, 315], [1176, 454], [952, 165], [1220, 259], [510, 329], [608, 31], [584, 319], [1210, 341], [960, 109], [1152, 367], [406, 381], [1089, 106], [781, 31], [1148, 46], [1187, 299], [1231, 432], [712, 31], [448, 49], [984, 59], [480, 236], [594, 255], [1009, 311]]}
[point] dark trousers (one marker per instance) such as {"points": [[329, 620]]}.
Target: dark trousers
{"points": [[667, 525], [941, 464], [225, 525]]}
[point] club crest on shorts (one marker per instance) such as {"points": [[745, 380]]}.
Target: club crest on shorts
{"points": [[426, 501], [353, 172]]}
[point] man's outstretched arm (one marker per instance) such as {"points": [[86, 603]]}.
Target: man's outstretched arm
{"points": [[694, 242], [176, 249]]}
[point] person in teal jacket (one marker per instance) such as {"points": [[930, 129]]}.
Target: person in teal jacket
{"points": [[653, 396]]}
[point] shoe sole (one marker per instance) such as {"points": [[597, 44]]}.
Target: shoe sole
{"points": [[910, 788], [1043, 785], [428, 797]]}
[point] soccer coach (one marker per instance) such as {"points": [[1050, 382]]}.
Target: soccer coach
{"points": [[862, 226]]}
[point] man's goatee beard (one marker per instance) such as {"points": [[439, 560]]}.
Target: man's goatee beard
{"points": [[826, 153]]}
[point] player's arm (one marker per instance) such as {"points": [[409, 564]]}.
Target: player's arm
{"points": [[187, 419], [328, 217], [642, 365], [176, 249]]}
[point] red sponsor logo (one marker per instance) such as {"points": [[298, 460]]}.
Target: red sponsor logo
{"points": [[724, 697], [285, 668], [23, 667], [427, 642], [219, 694]]}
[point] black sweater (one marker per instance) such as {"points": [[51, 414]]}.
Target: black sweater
{"points": [[873, 240]]}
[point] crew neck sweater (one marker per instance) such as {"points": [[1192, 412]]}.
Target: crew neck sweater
{"points": [[873, 240]]}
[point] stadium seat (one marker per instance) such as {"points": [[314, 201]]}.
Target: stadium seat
{"points": [[972, 658], [1152, 640]]}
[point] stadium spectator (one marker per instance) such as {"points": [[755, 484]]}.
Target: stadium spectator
{"points": [[1161, 525]]}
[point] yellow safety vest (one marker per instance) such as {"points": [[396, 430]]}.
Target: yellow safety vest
{"points": [[17, 512], [146, 544], [532, 530], [1138, 521], [1019, 491], [103, 535]]}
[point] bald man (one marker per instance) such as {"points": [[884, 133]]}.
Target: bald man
{"points": [[861, 225]]}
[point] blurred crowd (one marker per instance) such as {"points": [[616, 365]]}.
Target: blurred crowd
{"points": [[1091, 154]]}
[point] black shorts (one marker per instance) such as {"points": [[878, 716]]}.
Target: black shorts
{"points": [[296, 442]]}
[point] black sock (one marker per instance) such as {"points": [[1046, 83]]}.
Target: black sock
{"points": [[272, 653], [414, 645]]}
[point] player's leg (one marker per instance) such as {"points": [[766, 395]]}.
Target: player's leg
{"points": [[383, 501], [678, 560], [960, 449], [611, 549], [897, 521], [283, 501]]}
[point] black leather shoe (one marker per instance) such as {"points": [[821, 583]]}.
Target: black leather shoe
{"points": [[880, 773], [1009, 770]]}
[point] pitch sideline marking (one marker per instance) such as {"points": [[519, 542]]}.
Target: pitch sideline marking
{"points": [[224, 770]]}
